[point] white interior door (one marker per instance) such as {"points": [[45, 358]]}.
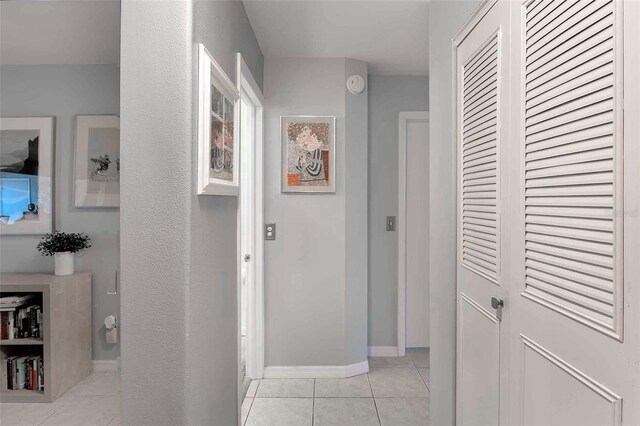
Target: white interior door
{"points": [[483, 126], [575, 322], [250, 219], [247, 231], [417, 230]]}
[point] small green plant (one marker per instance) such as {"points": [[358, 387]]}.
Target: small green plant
{"points": [[60, 242]]}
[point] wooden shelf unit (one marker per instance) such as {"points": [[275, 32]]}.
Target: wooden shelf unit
{"points": [[66, 342]]}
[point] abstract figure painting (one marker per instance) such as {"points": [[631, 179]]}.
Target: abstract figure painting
{"points": [[218, 152], [26, 175], [308, 154], [97, 162]]}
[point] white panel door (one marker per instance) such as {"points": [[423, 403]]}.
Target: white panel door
{"points": [[482, 68], [417, 233], [574, 275]]}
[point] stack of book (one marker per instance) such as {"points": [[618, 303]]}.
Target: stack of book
{"points": [[24, 372], [20, 317]]}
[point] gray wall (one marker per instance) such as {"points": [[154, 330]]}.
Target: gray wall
{"points": [[65, 91], [445, 18], [223, 26], [304, 267], [306, 277], [356, 220], [178, 250], [388, 95]]}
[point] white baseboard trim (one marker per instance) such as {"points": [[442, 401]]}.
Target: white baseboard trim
{"points": [[386, 351], [316, 372], [105, 365]]}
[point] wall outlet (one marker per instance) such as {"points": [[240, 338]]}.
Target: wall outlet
{"points": [[270, 231], [391, 223]]}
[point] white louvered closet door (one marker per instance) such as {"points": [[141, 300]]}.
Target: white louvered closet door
{"points": [[574, 269], [483, 62]]}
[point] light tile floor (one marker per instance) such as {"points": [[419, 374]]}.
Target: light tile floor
{"points": [[395, 392], [93, 402]]}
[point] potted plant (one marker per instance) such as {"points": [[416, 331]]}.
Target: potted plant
{"points": [[62, 246]]}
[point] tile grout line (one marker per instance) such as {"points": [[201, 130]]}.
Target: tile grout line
{"points": [[255, 395], [375, 405]]}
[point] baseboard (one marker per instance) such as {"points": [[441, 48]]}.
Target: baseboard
{"points": [[386, 351], [105, 365], [316, 372]]}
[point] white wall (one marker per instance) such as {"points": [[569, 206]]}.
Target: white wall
{"points": [[306, 277], [65, 91], [388, 95], [445, 18], [178, 254]]}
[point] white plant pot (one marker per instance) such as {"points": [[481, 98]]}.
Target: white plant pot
{"points": [[64, 263]]}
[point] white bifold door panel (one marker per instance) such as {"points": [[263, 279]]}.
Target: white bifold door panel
{"points": [[558, 178], [574, 311], [482, 72]]}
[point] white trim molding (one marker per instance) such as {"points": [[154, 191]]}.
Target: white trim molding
{"points": [[383, 351], [247, 86], [404, 117], [105, 365], [316, 372]]}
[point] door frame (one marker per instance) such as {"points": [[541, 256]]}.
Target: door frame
{"points": [[404, 117], [248, 87]]}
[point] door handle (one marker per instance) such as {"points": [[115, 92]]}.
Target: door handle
{"points": [[497, 303]]}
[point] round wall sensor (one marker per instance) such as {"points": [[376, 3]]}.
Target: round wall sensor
{"points": [[355, 84]]}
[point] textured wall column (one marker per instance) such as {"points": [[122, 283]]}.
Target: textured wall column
{"points": [[156, 188]]}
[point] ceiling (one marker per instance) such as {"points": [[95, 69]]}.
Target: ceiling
{"points": [[60, 32], [390, 35]]}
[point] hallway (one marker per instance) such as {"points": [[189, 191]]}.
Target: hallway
{"points": [[394, 392]]}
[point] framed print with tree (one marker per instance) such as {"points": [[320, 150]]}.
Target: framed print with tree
{"points": [[308, 153], [26, 175], [218, 147], [97, 162]]}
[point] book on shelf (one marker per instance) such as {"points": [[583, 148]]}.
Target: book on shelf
{"points": [[24, 372], [25, 321], [10, 303]]}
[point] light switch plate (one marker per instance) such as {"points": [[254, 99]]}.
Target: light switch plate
{"points": [[391, 223], [270, 231]]}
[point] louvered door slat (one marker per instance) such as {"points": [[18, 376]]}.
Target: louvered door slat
{"points": [[479, 156], [541, 23], [570, 187], [586, 23], [590, 72], [486, 97], [583, 52], [578, 102], [604, 130]]}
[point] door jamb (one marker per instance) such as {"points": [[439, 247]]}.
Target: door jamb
{"points": [[246, 84], [404, 118]]}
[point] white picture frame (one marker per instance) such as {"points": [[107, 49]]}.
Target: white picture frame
{"points": [[305, 170], [218, 116], [26, 175], [96, 182]]}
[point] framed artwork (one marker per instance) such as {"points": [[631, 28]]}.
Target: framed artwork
{"points": [[308, 153], [26, 175], [97, 162], [218, 143]]}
